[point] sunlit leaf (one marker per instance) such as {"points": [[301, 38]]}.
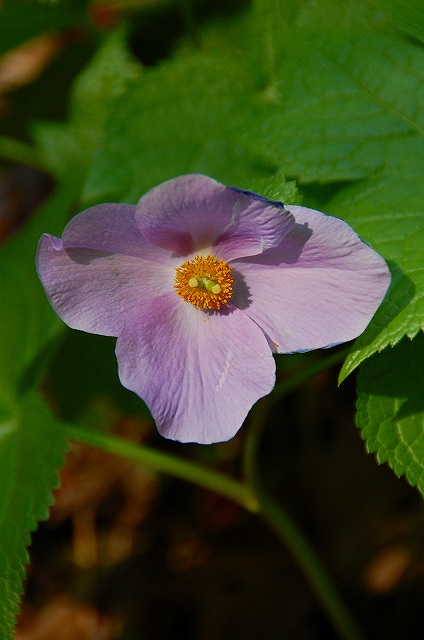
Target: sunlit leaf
{"points": [[388, 212], [408, 16], [340, 100], [174, 121]]}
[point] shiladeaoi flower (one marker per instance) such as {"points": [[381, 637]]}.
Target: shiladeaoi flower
{"points": [[202, 283]]}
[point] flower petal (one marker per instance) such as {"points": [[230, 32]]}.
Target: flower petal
{"points": [[199, 373], [108, 227], [319, 288], [102, 269], [193, 212]]}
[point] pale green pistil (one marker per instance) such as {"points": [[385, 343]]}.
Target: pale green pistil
{"points": [[206, 283]]}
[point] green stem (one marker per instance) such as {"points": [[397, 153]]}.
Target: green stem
{"points": [[251, 495], [313, 570], [169, 464], [260, 414], [280, 521]]}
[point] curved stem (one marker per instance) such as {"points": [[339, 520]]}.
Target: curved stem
{"points": [[286, 529], [313, 570], [251, 495], [260, 414], [167, 463]]}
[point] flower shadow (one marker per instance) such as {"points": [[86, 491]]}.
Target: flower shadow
{"points": [[288, 251], [294, 243], [85, 256], [241, 292]]}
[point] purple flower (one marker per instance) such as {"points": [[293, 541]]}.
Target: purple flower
{"points": [[201, 283]]}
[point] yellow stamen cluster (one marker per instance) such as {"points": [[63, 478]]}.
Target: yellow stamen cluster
{"points": [[205, 282]]}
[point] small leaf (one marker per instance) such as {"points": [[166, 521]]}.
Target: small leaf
{"points": [[32, 446], [322, 14], [391, 408], [275, 188]]}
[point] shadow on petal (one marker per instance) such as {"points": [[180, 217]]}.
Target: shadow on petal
{"points": [[290, 249], [241, 292], [292, 246], [86, 256]]}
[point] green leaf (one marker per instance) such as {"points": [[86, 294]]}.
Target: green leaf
{"points": [[67, 148], [275, 188], [340, 100], [323, 14], [408, 16], [32, 446], [174, 121], [27, 323], [391, 408], [270, 24], [324, 106], [388, 212], [82, 387]]}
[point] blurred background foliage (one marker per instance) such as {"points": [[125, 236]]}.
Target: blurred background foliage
{"points": [[101, 100]]}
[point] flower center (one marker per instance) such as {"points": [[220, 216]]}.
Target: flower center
{"points": [[205, 282]]}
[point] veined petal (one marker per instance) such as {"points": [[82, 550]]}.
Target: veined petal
{"points": [[110, 227], [199, 373], [258, 225], [193, 213], [102, 269], [319, 288]]}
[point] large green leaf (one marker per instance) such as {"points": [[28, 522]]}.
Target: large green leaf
{"points": [[340, 99], [408, 16], [388, 211], [323, 14], [27, 322], [67, 148], [391, 408], [175, 121], [322, 106], [31, 450]]}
